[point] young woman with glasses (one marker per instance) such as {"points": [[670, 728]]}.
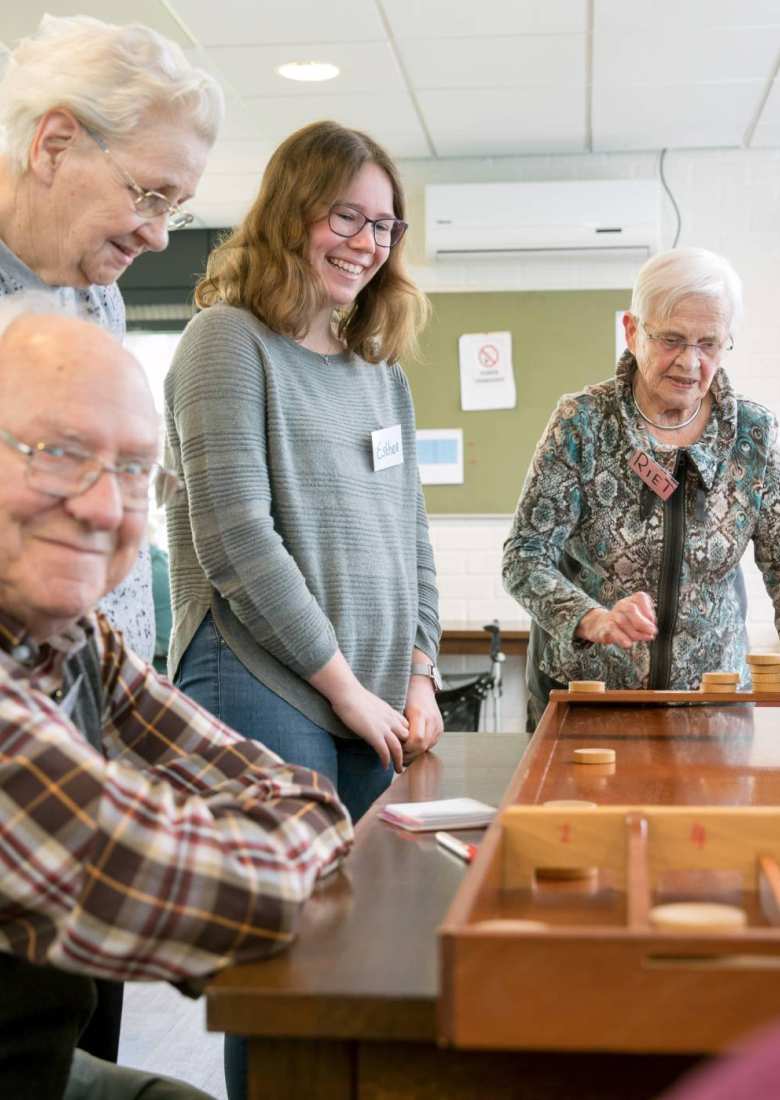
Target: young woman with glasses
{"points": [[303, 585], [304, 596]]}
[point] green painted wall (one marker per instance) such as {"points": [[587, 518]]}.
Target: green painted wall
{"points": [[561, 341]]}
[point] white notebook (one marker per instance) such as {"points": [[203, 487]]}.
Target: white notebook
{"points": [[444, 813]]}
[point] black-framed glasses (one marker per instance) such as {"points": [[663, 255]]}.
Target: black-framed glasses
{"points": [[348, 221], [62, 470], [707, 349], [148, 204]]}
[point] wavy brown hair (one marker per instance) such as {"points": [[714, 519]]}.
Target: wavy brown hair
{"points": [[263, 265]]}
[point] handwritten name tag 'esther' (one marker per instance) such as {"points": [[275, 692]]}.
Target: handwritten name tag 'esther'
{"points": [[387, 447], [654, 476]]}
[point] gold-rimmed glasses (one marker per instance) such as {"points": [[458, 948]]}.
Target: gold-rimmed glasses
{"points": [[148, 204]]}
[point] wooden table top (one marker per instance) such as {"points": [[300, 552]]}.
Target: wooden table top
{"points": [[365, 962]]}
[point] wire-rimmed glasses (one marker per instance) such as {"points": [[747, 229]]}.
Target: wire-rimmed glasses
{"points": [[63, 470], [671, 342], [148, 204]]}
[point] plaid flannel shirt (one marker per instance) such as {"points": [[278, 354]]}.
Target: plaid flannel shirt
{"points": [[180, 849]]}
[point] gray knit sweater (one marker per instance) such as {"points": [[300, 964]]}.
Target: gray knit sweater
{"points": [[284, 531]]}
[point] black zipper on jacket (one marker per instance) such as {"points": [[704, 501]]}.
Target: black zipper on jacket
{"points": [[669, 579]]}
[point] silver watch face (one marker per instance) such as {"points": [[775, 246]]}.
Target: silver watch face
{"points": [[438, 683]]}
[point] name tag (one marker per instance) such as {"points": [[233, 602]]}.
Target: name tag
{"points": [[654, 476], [387, 447]]}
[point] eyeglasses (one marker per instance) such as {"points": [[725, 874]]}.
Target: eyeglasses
{"points": [[65, 471], [148, 204], [346, 221], [707, 349]]}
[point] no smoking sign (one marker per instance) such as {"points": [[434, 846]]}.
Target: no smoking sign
{"points": [[487, 380], [488, 356]]}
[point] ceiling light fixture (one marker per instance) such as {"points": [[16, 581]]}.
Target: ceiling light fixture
{"points": [[308, 70]]}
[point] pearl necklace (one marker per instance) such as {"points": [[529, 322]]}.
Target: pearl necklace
{"points": [[667, 427]]}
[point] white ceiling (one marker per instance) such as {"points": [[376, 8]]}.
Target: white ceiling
{"points": [[459, 78]]}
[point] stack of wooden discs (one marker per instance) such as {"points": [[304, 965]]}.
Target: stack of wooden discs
{"points": [[720, 681], [764, 672]]}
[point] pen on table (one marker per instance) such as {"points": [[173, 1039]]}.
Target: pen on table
{"points": [[458, 847]]}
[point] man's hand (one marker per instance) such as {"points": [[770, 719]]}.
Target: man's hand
{"points": [[631, 620]]}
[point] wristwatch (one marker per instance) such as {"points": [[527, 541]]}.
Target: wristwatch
{"points": [[430, 671]]}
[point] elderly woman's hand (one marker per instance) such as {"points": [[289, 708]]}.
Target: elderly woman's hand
{"points": [[631, 620]]}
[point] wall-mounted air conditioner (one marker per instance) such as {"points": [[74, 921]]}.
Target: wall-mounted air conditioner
{"points": [[495, 219]]}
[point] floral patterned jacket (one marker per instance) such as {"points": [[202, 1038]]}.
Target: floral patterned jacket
{"points": [[587, 532]]}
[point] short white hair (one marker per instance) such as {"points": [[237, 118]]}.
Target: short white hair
{"points": [[669, 277], [110, 77]]}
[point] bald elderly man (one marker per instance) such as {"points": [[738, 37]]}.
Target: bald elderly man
{"points": [[140, 839]]}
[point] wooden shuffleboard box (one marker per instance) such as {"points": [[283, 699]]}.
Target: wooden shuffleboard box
{"points": [[556, 939]]}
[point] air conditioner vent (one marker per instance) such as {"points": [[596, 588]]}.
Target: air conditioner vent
{"points": [[465, 219]]}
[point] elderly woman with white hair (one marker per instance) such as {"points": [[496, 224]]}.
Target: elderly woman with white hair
{"points": [[642, 497], [105, 133]]}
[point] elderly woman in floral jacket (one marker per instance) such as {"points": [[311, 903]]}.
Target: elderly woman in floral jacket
{"points": [[642, 497]]}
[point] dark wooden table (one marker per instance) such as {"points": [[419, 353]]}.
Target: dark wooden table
{"points": [[350, 1012]]}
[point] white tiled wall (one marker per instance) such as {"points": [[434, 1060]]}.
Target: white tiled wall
{"points": [[468, 562], [730, 202]]}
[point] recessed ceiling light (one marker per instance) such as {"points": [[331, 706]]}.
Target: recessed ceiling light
{"points": [[308, 70]]}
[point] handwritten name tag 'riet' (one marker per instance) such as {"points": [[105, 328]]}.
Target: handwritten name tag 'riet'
{"points": [[654, 476]]}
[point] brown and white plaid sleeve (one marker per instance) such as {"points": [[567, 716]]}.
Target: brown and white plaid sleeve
{"points": [[181, 850]]}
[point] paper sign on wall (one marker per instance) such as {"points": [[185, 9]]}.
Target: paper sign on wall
{"points": [[487, 380], [440, 456]]}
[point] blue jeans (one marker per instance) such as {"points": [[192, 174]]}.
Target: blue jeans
{"points": [[213, 676]]}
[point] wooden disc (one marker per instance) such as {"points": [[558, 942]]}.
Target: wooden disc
{"points": [[698, 916], [765, 677], [724, 689], [591, 686], [511, 924], [763, 658], [570, 804], [594, 756], [720, 678]]}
